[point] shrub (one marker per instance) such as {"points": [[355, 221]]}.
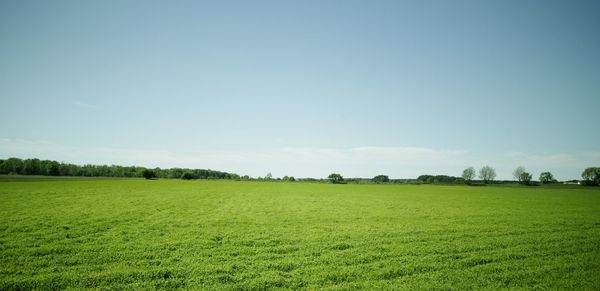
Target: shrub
{"points": [[381, 179], [187, 176], [148, 174], [335, 178]]}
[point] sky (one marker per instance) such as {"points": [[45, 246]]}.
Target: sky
{"points": [[304, 88]]}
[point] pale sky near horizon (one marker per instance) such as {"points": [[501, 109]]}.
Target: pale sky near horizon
{"points": [[304, 88]]}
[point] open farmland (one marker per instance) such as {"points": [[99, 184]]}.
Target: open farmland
{"points": [[249, 235]]}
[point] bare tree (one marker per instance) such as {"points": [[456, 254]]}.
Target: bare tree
{"points": [[525, 178], [468, 174], [487, 174], [518, 173]]}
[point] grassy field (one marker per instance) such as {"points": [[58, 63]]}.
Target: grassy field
{"points": [[112, 234]]}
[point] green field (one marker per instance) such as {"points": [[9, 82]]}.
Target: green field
{"points": [[115, 234]]}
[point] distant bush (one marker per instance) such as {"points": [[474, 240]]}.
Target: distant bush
{"points": [[381, 179], [440, 179], [148, 174], [187, 176], [588, 183], [335, 178]]}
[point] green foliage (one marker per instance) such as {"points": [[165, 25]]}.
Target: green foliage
{"points": [[225, 235], [54, 168], [547, 178], [32, 167], [439, 179], [591, 176], [187, 176], [12, 166], [335, 178], [148, 174], [381, 179]]}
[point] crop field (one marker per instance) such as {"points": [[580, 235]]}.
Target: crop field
{"points": [[123, 234]]}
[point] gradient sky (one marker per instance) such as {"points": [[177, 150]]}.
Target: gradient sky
{"points": [[304, 88]]}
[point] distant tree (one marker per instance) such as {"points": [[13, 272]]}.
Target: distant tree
{"points": [[52, 168], [48, 167], [335, 178], [525, 178], [187, 176], [148, 174], [518, 173], [381, 179], [12, 166], [591, 176], [158, 172], [289, 179], [468, 174], [31, 167], [427, 179], [487, 174], [547, 178], [175, 173]]}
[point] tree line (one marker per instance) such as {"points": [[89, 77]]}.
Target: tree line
{"points": [[590, 176], [54, 168], [486, 175]]}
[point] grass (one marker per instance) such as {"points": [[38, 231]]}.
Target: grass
{"points": [[122, 234], [30, 178]]}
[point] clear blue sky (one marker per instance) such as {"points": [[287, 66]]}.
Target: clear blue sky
{"points": [[304, 88]]}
